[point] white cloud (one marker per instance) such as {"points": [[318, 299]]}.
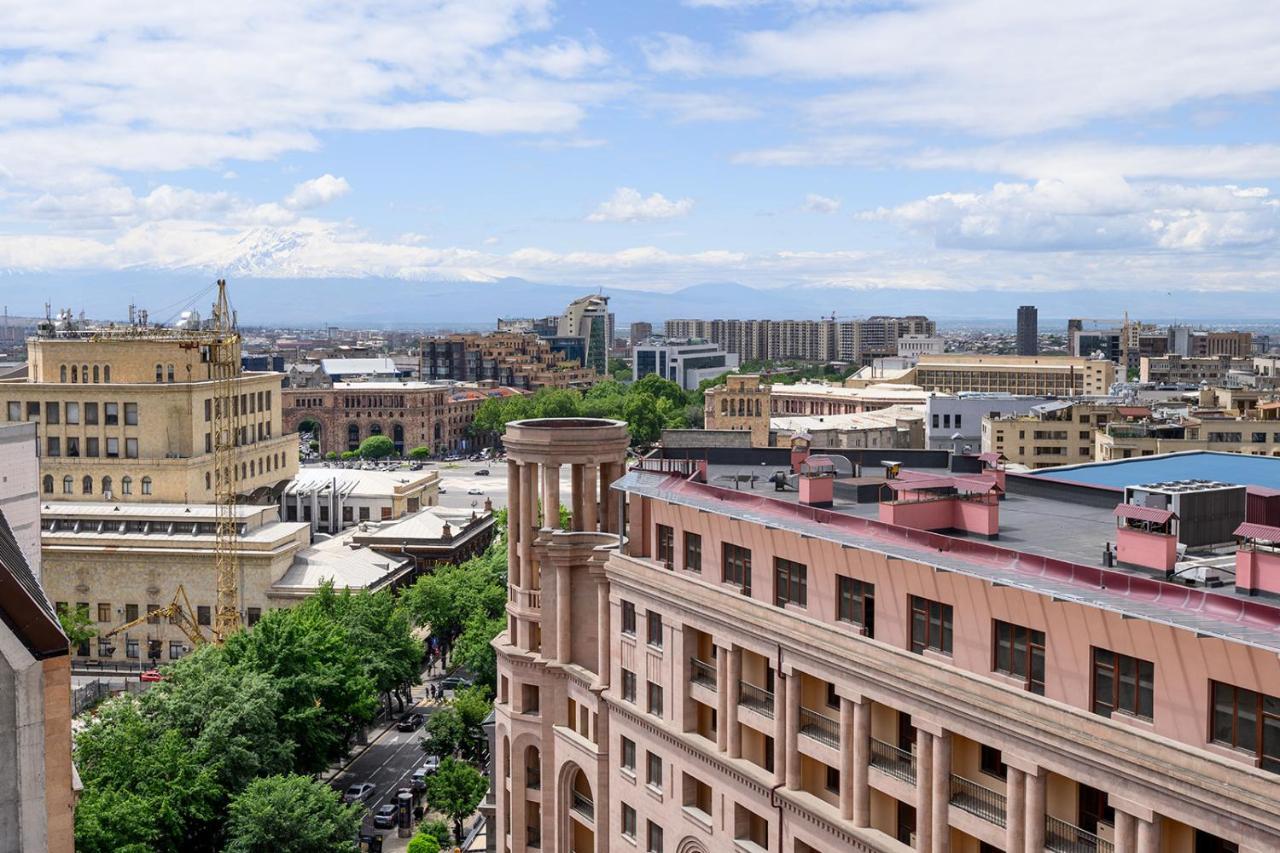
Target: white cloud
{"points": [[832, 151], [672, 53], [690, 107], [316, 192], [1091, 214], [628, 205], [995, 68], [815, 203]]}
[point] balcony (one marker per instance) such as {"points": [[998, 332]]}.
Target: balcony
{"points": [[978, 800], [583, 805], [701, 672], [756, 698], [820, 727], [896, 762], [1063, 837], [533, 778]]}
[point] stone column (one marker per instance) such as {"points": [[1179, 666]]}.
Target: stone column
{"points": [[1015, 830], [781, 742], [1149, 835], [610, 503], [528, 511], [1126, 832], [603, 633], [590, 518], [550, 495], [924, 791], [941, 792], [563, 617], [513, 522], [792, 686], [846, 758], [731, 715], [519, 820], [861, 763], [722, 699], [1035, 811], [576, 497]]}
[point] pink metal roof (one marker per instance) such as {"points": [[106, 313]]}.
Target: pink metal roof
{"points": [[914, 480], [1265, 532], [1133, 512], [991, 457]]}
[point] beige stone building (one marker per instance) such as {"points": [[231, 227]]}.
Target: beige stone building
{"points": [[1056, 433], [1252, 436], [742, 403], [126, 417], [1180, 369], [1061, 376]]}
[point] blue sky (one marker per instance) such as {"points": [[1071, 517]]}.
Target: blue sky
{"points": [[939, 145]]}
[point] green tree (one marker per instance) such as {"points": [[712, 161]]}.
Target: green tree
{"points": [[331, 455], [350, 454], [374, 623], [456, 789], [643, 421], [557, 403], [77, 625], [291, 814], [473, 649], [422, 843], [660, 389], [618, 370], [420, 453], [376, 447]]}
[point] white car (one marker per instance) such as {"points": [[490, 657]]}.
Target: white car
{"points": [[475, 491]]}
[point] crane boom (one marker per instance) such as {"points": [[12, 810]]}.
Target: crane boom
{"points": [[223, 357], [179, 610]]}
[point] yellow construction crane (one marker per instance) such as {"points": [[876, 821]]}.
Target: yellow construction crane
{"points": [[178, 612]]}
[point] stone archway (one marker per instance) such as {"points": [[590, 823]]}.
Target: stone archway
{"points": [[576, 816], [353, 436], [689, 844], [397, 438]]}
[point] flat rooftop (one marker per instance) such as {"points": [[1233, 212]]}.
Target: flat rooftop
{"points": [[1237, 468]]}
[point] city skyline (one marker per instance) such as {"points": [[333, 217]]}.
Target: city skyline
{"points": [[836, 147]]}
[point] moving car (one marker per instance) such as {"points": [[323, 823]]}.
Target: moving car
{"points": [[430, 765], [360, 792], [475, 491], [410, 722], [483, 472], [151, 675], [454, 682], [385, 816]]}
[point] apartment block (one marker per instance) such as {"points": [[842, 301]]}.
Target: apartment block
{"points": [[686, 363], [1252, 436], [1214, 370], [1060, 432], [127, 415], [508, 359], [806, 340], [705, 669], [1061, 376]]}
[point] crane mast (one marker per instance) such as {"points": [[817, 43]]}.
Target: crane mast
{"points": [[224, 366]]}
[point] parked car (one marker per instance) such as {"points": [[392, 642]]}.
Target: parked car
{"points": [[151, 675], [430, 765], [483, 472], [385, 816], [454, 682], [475, 491], [360, 792], [410, 722]]}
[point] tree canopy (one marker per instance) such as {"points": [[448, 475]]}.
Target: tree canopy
{"points": [[291, 814], [376, 447], [456, 789]]}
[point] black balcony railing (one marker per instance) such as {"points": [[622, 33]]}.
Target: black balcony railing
{"points": [[978, 800], [583, 805], [756, 698], [894, 761], [820, 727], [701, 672], [1063, 837], [533, 778]]}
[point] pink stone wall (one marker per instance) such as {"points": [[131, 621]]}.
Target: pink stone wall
{"points": [[925, 515], [817, 490], [1156, 551], [980, 518], [1258, 571]]}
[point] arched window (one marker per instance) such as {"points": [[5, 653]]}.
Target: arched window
{"points": [[48, 483], [159, 372], [171, 373], [86, 485], [75, 374], [84, 374], [126, 485], [208, 481], [95, 374], [252, 466], [353, 436], [106, 373], [106, 486], [68, 485], [146, 485], [62, 373]]}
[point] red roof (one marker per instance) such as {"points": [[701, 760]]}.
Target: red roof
{"points": [[1133, 512], [992, 457], [922, 482], [1133, 411], [1265, 532]]}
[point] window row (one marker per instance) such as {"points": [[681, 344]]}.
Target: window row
{"points": [[249, 403], [74, 413], [80, 375], [92, 447], [86, 485]]}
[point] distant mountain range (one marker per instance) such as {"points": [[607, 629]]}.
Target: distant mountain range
{"points": [[389, 302]]}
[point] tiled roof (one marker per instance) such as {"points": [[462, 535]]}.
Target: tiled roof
{"points": [[1265, 532], [1133, 512]]}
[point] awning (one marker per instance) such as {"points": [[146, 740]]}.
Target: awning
{"points": [[1133, 512], [1265, 532]]}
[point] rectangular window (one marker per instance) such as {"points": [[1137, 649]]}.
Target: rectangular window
{"points": [[104, 612], [628, 754], [629, 686], [111, 414], [113, 448], [130, 612], [91, 414], [202, 615], [693, 552], [73, 446], [653, 771], [130, 647], [655, 699], [628, 821], [208, 409], [51, 413], [1247, 720], [131, 448], [666, 545], [252, 615], [130, 414], [152, 620], [73, 414], [91, 446], [930, 625], [856, 603], [653, 626], [833, 780], [1019, 651], [53, 446], [736, 566], [992, 763], [790, 583], [629, 618], [655, 838], [1122, 684], [33, 410], [15, 410]]}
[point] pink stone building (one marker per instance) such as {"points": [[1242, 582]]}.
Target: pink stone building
{"points": [[730, 669]]}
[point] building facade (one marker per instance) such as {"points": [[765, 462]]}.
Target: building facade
{"points": [[1252, 436], [857, 341], [332, 499], [506, 359], [747, 673], [1060, 376], [1178, 369], [685, 363], [589, 320], [1028, 330], [1050, 434], [129, 418], [953, 422]]}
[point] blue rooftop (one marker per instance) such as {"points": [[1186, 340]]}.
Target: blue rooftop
{"points": [[1236, 468]]}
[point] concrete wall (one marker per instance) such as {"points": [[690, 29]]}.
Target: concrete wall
{"points": [[19, 489]]}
